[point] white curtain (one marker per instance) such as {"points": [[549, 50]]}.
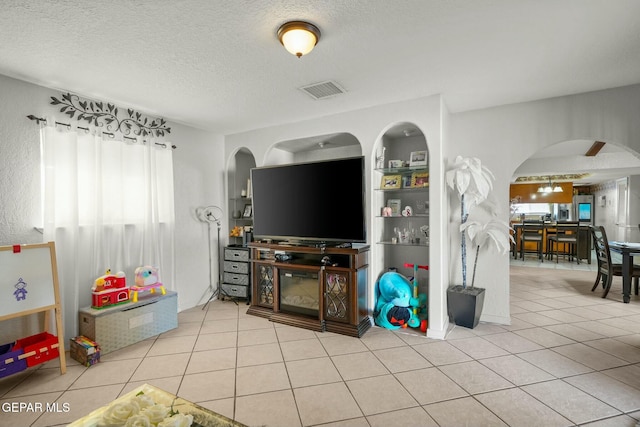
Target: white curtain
{"points": [[108, 204]]}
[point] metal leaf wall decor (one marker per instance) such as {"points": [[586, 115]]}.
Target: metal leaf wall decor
{"points": [[104, 114]]}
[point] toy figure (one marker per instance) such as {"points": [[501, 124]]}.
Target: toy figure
{"points": [[395, 302], [147, 279]]}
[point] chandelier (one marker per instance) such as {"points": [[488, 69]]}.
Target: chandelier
{"points": [[549, 188]]}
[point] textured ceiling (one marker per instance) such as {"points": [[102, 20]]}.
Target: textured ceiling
{"points": [[218, 65]]}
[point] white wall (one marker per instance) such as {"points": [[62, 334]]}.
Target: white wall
{"points": [[368, 125], [198, 177], [504, 137], [607, 215], [199, 181]]}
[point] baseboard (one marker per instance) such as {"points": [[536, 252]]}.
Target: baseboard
{"points": [[500, 320], [438, 334]]}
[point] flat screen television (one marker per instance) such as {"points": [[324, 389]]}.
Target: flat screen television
{"points": [[320, 201]]}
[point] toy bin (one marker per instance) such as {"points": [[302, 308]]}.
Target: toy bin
{"points": [[85, 351], [9, 362], [38, 348]]}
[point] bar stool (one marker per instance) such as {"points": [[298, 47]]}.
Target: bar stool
{"points": [[532, 231], [567, 236]]}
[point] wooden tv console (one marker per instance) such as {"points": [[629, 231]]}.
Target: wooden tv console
{"points": [[317, 288]]}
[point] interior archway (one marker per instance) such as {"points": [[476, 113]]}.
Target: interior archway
{"points": [[314, 148], [589, 168]]}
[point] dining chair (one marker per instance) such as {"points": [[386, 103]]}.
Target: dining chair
{"points": [[606, 267], [566, 235], [532, 231]]}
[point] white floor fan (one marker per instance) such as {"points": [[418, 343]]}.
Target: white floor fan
{"points": [[212, 215]]}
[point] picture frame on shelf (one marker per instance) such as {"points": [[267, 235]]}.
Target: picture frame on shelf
{"points": [[422, 207], [394, 164], [395, 205], [406, 181], [390, 182], [248, 211], [418, 159], [419, 179]]}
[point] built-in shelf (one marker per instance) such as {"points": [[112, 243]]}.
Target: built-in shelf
{"points": [[424, 245], [403, 170], [403, 189], [405, 217]]}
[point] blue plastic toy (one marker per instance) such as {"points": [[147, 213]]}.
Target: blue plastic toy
{"points": [[395, 303]]}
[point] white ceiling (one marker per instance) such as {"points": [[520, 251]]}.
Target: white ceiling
{"points": [[217, 65]]}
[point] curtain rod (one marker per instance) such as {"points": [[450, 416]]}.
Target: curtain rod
{"points": [[110, 134]]}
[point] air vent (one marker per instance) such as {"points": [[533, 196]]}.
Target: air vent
{"points": [[323, 90]]}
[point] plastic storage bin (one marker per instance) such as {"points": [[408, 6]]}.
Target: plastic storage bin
{"points": [[38, 348], [10, 363]]}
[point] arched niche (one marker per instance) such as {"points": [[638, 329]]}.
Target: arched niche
{"points": [[238, 175], [396, 144], [314, 148]]}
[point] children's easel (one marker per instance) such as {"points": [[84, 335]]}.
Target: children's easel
{"points": [[29, 285]]}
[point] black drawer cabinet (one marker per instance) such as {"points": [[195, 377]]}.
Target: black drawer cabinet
{"points": [[236, 272]]}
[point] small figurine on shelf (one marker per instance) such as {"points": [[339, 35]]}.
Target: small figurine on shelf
{"points": [[109, 290], [380, 159], [147, 279]]}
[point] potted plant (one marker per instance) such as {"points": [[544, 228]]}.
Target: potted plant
{"points": [[473, 183]]}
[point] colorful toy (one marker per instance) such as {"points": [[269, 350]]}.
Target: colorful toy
{"points": [[423, 321], [146, 279], [394, 305], [236, 231], [109, 290]]}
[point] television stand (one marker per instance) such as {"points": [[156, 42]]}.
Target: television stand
{"points": [[317, 288], [315, 244]]}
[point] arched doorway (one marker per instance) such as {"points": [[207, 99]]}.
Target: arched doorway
{"points": [[601, 173]]}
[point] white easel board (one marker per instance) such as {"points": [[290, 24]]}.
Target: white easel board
{"points": [[26, 282], [29, 284]]}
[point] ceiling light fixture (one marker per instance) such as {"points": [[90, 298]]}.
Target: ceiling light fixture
{"points": [[298, 37], [550, 188]]}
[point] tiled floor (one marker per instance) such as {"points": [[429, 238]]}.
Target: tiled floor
{"points": [[568, 358]]}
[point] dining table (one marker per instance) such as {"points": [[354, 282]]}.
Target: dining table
{"points": [[628, 250]]}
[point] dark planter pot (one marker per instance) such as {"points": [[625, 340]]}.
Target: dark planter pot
{"points": [[465, 305]]}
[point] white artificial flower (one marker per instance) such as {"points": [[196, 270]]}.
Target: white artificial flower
{"points": [[144, 400], [178, 420], [117, 414], [155, 413], [138, 420]]}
